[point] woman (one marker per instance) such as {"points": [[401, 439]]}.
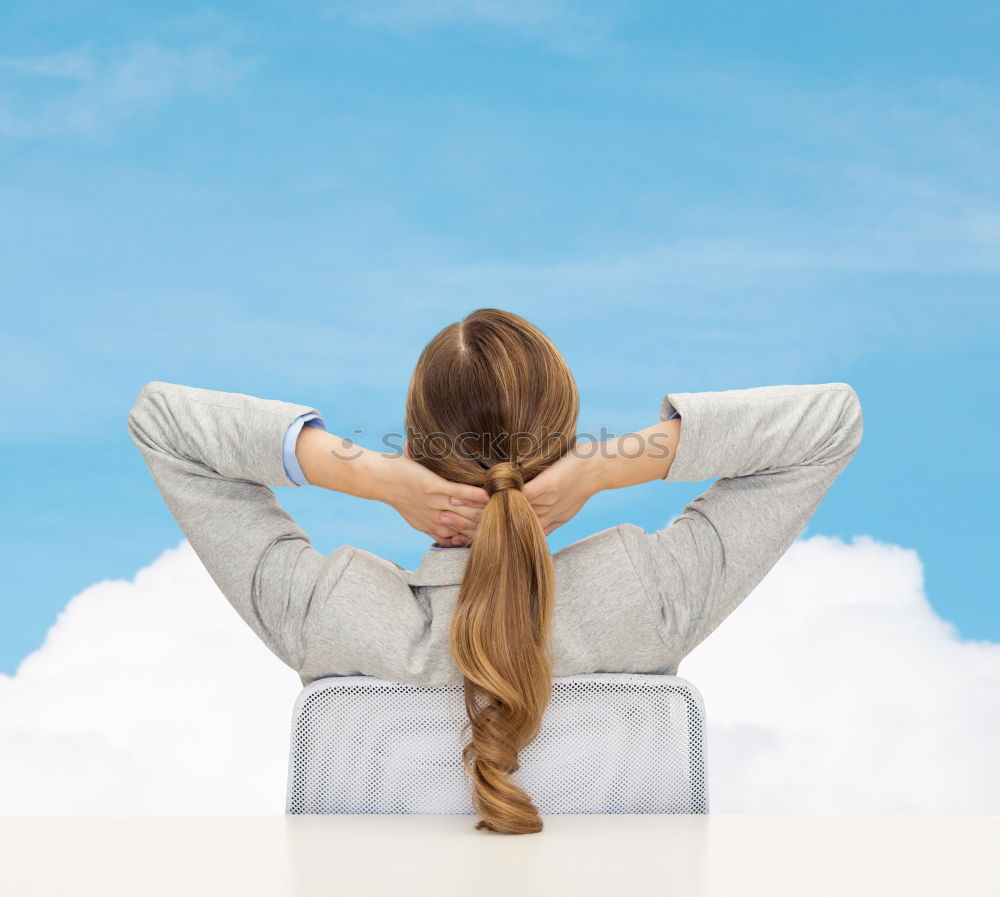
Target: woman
{"points": [[490, 467]]}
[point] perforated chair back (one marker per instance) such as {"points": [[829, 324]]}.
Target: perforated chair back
{"points": [[609, 743]]}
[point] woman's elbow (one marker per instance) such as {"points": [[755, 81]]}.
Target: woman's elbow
{"points": [[852, 422]]}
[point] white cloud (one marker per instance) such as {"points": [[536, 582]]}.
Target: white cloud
{"points": [[147, 697], [81, 92], [834, 688]]}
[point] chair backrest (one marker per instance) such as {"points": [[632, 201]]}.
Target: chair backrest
{"points": [[609, 743]]}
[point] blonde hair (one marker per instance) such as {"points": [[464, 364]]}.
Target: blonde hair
{"points": [[492, 403]]}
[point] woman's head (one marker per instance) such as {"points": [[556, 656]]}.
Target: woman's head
{"points": [[492, 403], [488, 390]]}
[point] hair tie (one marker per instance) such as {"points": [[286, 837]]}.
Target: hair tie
{"points": [[501, 477]]}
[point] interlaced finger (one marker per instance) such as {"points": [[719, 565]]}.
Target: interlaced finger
{"points": [[473, 495], [459, 523], [472, 515]]}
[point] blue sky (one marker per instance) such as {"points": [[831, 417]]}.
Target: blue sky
{"points": [[290, 201]]}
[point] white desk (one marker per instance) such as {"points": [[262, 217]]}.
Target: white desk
{"points": [[408, 856]]}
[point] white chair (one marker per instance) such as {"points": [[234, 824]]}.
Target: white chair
{"points": [[609, 743]]}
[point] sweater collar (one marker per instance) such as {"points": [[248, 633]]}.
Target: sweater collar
{"points": [[443, 567]]}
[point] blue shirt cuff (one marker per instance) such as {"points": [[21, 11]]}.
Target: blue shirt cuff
{"points": [[292, 467]]}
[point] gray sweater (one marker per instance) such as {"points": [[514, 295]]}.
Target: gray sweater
{"points": [[627, 600]]}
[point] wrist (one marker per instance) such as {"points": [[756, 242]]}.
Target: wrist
{"points": [[375, 472], [639, 457], [597, 473], [612, 469], [336, 464]]}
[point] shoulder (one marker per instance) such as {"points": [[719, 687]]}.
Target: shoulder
{"points": [[360, 565], [605, 612], [599, 563], [366, 623], [608, 547]]}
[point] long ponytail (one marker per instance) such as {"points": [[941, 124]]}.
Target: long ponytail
{"points": [[500, 641]]}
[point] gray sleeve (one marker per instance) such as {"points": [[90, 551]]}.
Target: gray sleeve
{"points": [[213, 456], [775, 450]]}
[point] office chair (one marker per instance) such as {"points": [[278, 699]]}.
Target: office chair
{"points": [[609, 743]]}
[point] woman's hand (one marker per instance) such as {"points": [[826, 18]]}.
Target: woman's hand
{"points": [[421, 496], [555, 495], [416, 493], [559, 491]]}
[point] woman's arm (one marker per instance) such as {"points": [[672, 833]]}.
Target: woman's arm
{"points": [[416, 493], [775, 450], [213, 455], [558, 493]]}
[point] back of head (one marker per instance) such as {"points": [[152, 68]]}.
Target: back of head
{"points": [[492, 403]]}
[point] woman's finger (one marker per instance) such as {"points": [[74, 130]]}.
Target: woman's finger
{"points": [[473, 515], [532, 490], [457, 540], [544, 514], [459, 503], [444, 502], [471, 494], [459, 523], [444, 534]]}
